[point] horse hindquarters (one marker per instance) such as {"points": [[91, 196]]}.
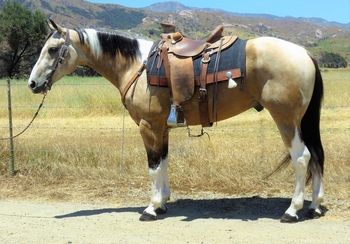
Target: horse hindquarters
{"points": [[302, 138], [309, 140], [291, 90]]}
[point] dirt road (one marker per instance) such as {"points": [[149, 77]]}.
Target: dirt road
{"points": [[217, 220]]}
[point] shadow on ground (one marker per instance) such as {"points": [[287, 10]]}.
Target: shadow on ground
{"points": [[245, 209]]}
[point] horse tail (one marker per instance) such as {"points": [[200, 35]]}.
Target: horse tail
{"points": [[310, 126]]}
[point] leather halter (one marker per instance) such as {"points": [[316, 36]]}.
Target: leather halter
{"points": [[59, 60]]}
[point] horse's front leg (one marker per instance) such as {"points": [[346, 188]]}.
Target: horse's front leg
{"points": [[156, 143]]}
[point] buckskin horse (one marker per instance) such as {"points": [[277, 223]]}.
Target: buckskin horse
{"points": [[281, 76]]}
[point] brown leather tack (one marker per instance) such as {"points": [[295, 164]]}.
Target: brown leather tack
{"points": [[221, 76], [182, 78], [216, 34], [177, 53], [203, 94]]}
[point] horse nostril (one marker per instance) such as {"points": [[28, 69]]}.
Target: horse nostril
{"points": [[32, 84]]}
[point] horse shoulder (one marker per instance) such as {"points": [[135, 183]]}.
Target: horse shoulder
{"points": [[148, 102]]}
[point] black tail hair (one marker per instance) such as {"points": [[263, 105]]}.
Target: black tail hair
{"points": [[310, 126]]}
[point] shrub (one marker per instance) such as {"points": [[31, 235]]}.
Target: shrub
{"points": [[332, 60]]}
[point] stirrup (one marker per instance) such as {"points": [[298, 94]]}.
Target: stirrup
{"points": [[176, 117]]}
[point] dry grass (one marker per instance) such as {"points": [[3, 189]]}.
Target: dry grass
{"points": [[76, 152]]}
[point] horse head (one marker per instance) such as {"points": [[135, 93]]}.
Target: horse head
{"points": [[58, 57]]}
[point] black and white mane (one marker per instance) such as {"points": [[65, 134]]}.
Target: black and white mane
{"points": [[109, 43]]}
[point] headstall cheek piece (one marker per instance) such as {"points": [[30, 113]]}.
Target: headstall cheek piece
{"points": [[59, 60], [63, 53]]}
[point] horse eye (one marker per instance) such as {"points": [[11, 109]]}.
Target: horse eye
{"points": [[53, 50]]}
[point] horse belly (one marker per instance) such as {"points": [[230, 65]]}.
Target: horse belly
{"points": [[223, 103]]}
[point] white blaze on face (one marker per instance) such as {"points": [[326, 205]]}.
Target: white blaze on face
{"points": [[40, 70], [33, 74]]}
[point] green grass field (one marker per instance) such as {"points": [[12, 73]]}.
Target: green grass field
{"points": [[78, 149]]}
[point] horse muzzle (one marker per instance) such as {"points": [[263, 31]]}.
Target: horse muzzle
{"points": [[39, 88]]}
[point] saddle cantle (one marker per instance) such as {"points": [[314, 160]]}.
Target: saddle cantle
{"points": [[182, 64]]}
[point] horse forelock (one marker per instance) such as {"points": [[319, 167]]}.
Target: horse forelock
{"points": [[108, 43]]}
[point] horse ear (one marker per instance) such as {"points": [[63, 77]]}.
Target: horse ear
{"points": [[54, 26], [51, 24]]}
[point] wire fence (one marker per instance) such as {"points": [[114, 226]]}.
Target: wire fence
{"points": [[115, 129]]}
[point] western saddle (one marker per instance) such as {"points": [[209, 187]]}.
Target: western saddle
{"points": [[177, 53]]}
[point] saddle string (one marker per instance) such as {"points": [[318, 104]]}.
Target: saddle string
{"points": [[30, 123], [216, 68]]}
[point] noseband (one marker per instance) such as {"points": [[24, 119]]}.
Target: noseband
{"points": [[59, 60]]}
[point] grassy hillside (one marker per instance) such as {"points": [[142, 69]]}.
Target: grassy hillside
{"points": [[316, 34], [339, 45]]}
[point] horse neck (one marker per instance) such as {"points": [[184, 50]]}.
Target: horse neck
{"points": [[115, 69]]}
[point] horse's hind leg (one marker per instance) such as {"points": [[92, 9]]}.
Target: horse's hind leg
{"points": [[300, 157], [317, 196], [156, 144]]}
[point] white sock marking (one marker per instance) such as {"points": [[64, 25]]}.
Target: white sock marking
{"points": [[160, 187], [300, 157]]}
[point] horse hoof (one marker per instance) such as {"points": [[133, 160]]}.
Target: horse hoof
{"points": [[313, 214], [161, 211], [286, 218], [147, 217]]}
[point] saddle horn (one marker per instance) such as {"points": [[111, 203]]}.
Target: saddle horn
{"points": [[168, 28]]}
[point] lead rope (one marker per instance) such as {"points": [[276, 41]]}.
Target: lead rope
{"points": [[121, 165], [48, 84], [30, 123]]}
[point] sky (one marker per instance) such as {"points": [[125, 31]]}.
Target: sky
{"points": [[331, 10]]}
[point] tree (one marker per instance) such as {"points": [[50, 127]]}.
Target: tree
{"points": [[22, 35], [332, 60]]}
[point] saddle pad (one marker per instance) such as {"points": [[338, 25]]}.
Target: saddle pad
{"points": [[231, 59]]}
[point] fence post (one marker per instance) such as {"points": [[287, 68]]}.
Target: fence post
{"points": [[11, 163]]}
